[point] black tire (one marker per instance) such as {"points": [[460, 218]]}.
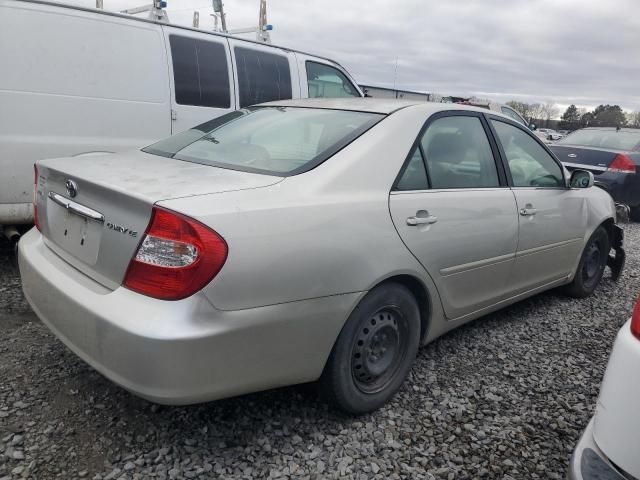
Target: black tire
{"points": [[592, 264], [635, 214], [374, 351]]}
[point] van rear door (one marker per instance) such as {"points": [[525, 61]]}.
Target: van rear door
{"points": [[323, 78], [200, 76], [263, 73]]}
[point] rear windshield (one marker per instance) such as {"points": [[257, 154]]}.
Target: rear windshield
{"points": [[620, 140], [273, 140]]}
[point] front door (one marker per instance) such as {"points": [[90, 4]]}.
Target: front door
{"points": [[454, 211], [552, 217]]}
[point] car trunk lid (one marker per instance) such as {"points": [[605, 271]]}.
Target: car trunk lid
{"points": [[596, 160], [93, 211]]}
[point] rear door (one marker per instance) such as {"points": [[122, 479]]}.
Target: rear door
{"points": [[552, 217], [200, 76], [263, 73], [321, 78], [453, 209]]}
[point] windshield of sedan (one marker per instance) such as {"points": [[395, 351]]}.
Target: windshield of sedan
{"points": [[273, 140], [616, 140]]}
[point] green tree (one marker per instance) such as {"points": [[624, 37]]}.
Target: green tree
{"points": [[608, 116], [570, 119]]}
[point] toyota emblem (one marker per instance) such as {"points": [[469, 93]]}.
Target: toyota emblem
{"points": [[72, 188]]}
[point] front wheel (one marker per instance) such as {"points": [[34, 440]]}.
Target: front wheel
{"points": [[592, 264], [374, 351]]}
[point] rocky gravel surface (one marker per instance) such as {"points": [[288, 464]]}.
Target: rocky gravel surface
{"points": [[505, 397]]}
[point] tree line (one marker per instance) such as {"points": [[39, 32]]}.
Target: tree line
{"points": [[543, 115]]}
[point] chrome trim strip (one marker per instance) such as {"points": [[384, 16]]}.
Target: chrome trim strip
{"points": [[76, 208], [585, 167]]}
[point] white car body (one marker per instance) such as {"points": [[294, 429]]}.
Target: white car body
{"points": [[609, 447], [78, 81]]}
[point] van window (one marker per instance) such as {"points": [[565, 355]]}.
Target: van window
{"points": [[326, 81], [262, 77], [200, 72]]}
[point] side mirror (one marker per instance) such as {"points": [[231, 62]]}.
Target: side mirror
{"points": [[532, 126], [581, 179]]}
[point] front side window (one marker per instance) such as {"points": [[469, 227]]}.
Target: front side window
{"points": [[458, 154], [529, 163], [272, 140], [262, 77], [328, 82], [513, 115], [200, 72]]}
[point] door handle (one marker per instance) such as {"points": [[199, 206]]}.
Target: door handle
{"points": [[528, 210], [422, 218]]}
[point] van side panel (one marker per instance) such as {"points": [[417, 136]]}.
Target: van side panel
{"points": [[74, 82]]}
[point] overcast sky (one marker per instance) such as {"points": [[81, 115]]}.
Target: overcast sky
{"points": [[585, 52]]}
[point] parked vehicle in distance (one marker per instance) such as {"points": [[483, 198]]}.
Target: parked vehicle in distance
{"points": [[612, 155], [496, 107], [303, 240], [550, 134], [109, 82], [608, 448]]}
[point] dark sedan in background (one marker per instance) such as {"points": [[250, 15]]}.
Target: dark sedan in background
{"points": [[612, 155]]}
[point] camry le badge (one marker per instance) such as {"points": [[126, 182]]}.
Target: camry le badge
{"points": [[72, 188]]}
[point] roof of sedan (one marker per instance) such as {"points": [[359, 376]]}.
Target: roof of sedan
{"points": [[373, 105]]}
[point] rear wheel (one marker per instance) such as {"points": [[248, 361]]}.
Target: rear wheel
{"points": [[591, 266], [374, 351]]}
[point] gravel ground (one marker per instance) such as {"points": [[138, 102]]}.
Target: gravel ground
{"points": [[505, 397]]}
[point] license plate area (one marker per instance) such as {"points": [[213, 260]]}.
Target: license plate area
{"points": [[76, 234]]}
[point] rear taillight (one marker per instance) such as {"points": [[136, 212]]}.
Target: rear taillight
{"points": [[177, 257], [635, 320], [36, 220], [622, 164]]}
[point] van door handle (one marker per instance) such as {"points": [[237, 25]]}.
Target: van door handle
{"points": [[528, 210], [422, 218]]}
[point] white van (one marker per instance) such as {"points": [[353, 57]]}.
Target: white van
{"points": [[74, 81]]}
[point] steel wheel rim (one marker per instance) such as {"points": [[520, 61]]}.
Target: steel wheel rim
{"points": [[379, 349], [592, 264]]}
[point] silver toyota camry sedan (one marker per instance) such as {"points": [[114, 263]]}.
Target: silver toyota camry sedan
{"points": [[306, 240]]}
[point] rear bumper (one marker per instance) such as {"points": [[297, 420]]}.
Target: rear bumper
{"points": [[589, 463], [179, 352], [623, 187], [16, 213]]}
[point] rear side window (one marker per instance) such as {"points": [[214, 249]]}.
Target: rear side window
{"points": [[328, 82], [458, 154], [262, 77], [529, 163], [200, 72], [414, 176]]}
